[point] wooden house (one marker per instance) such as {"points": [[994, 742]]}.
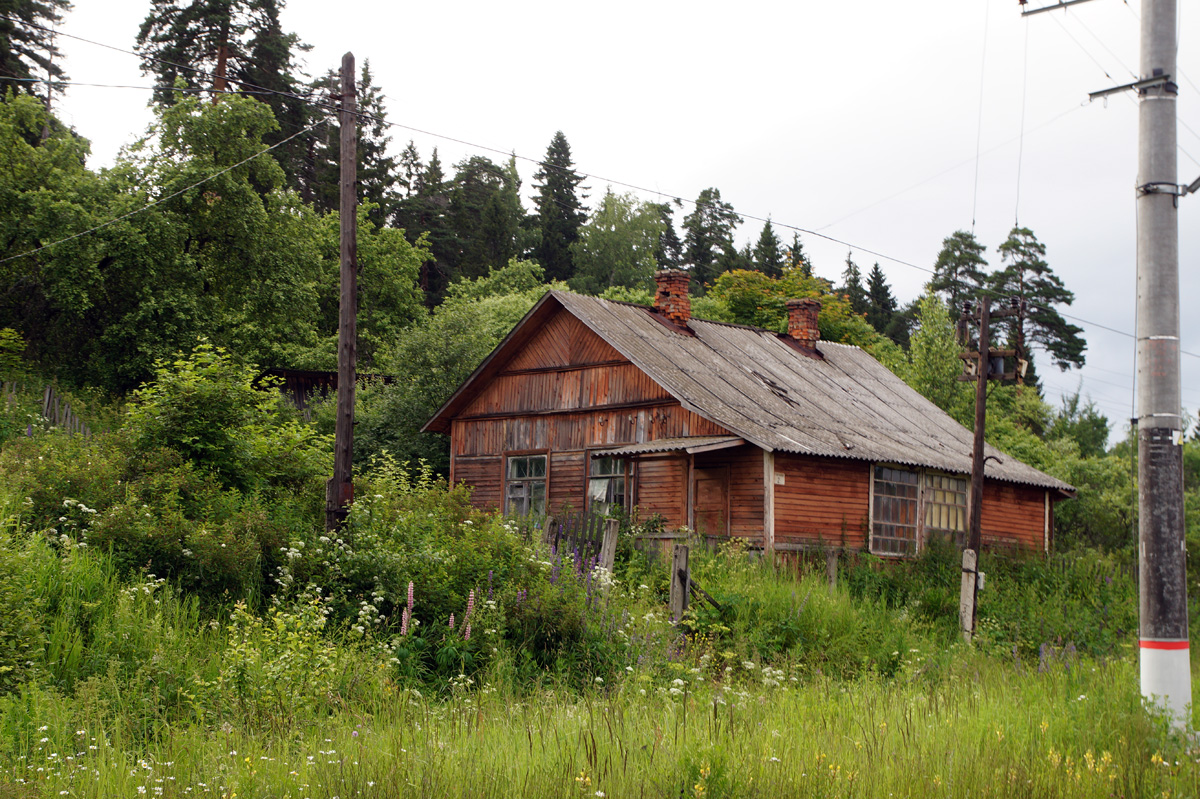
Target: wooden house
{"points": [[786, 440]]}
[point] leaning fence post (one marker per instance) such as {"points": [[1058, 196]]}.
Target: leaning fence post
{"points": [[966, 598], [608, 547], [680, 577], [549, 532]]}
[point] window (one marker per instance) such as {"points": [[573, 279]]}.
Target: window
{"points": [[946, 508], [894, 518], [606, 485], [525, 484], [910, 507]]}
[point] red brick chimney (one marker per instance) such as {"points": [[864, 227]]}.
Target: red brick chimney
{"points": [[672, 300], [802, 321]]}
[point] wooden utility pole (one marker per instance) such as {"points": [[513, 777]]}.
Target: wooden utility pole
{"points": [[339, 491], [984, 358]]}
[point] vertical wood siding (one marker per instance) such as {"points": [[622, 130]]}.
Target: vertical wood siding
{"points": [[822, 501], [745, 488]]}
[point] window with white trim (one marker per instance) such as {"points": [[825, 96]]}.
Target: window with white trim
{"points": [[525, 484], [606, 485], [909, 507]]}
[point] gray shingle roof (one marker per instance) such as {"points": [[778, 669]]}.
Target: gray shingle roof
{"points": [[756, 384]]}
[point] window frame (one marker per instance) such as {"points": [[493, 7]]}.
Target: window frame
{"points": [[506, 481], [922, 528], [625, 476]]}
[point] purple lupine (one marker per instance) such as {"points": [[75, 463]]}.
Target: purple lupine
{"points": [[491, 574]]}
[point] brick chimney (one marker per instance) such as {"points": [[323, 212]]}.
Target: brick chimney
{"points": [[672, 300], [802, 321]]}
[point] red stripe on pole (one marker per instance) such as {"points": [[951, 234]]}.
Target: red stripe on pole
{"points": [[1163, 644]]}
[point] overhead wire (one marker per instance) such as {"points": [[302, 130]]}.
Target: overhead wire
{"points": [[160, 200], [679, 200]]}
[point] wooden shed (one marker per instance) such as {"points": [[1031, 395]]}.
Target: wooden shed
{"points": [[784, 440]]}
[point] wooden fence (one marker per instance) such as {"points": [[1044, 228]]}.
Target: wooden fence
{"points": [[54, 409], [585, 537]]}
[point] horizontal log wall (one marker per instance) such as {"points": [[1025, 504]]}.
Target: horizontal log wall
{"points": [[823, 501], [661, 488], [486, 474], [1013, 516], [567, 488]]}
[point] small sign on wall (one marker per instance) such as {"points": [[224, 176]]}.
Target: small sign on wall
{"points": [[779, 479]]}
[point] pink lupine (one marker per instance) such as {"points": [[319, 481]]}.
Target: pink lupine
{"points": [[404, 617], [451, 621], [470, 604], [467, 632], [410, 594]]}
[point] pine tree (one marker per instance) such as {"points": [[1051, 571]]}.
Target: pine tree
{"points": [[26, 50], [426, 213], [708, 236], [852, 286], [881, 307], [768, 253], [560, 211], [484, 215], [1027, 275], [960, 270], [233, 45]]}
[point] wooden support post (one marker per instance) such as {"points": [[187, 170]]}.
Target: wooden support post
{"points": [[680, 578], [966, 599], [339, 491], [608, 547], [831, 564]]}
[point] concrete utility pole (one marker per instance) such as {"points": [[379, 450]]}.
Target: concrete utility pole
{"points": [[339, 491], [1162, 555]]}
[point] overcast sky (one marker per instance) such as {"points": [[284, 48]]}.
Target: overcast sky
{"points": [[859, 121]]}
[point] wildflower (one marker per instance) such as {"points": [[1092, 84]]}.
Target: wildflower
{"points": [[451, 621]]}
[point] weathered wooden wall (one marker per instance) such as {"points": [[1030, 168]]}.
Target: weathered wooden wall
{"points": [[566, 392], [745, 488], [660, 486], [1013, 516], [822, 501]]}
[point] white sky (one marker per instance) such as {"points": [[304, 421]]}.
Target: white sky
{"points": [[857, 120]]}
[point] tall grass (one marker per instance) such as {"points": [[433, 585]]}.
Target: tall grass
{"points": [[982, 729]]}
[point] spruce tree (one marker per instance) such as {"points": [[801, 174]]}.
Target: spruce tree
{"points": [[669, 252], [852, 286], [768, 252], [485, 216], [26, 50], [881, 303], [560, 212], [376, 169], [708, 236], [797, 258]]}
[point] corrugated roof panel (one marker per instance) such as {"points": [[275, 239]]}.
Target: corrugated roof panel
{"points": [[846, 405]]}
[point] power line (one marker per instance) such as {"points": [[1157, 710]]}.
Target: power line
{"points": [[161, 200], [485, 148]]}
